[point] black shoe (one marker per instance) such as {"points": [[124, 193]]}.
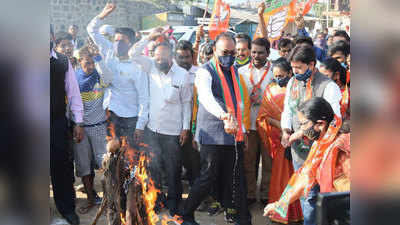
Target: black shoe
{"points": [[214, 209], [230, 215], [185, 222], [251, 201], [72, 218]]}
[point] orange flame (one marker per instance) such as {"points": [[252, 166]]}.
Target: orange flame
{"points": [[148, 189], [176, 219], [123, 222]]}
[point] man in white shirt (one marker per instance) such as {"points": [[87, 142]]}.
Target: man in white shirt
{"points": [[306, 83], [257, 75], [126, 98], [169, 121]]}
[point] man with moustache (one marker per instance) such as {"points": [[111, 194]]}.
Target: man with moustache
{"points": [[243, 46], [257, 75]]}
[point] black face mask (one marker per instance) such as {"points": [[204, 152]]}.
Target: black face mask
{"points": [[186, 66], [312, 134], [121, 48], [282, 82], [163, 66], [226, 60]]}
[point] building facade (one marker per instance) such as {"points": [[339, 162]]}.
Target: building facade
{"points": [[129, 13]]}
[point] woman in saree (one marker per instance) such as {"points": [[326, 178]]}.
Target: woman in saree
{"points": [[327, 167], [268, 125]]}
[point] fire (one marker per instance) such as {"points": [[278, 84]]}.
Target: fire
{"points": [[176, 219], [148, 189], [123, 222]]}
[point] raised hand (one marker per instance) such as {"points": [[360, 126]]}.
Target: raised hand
{"points": [[156, 33], [109, 8], [199, 32], [261, 8]]}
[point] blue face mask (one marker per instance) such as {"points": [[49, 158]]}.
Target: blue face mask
{"points": [[97, 58], [226, 60], [303, 76], [282, 82], [344, 65]]}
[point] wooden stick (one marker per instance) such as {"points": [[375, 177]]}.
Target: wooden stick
{"points": [[100, 211]]}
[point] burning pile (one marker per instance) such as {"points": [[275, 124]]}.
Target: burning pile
{"points": [[126, 168]]}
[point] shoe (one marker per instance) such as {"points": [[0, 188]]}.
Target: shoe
{"points": [[230, 215], [214, 209], [251, 201], [264, 201], [72, 218], [185, 222]]}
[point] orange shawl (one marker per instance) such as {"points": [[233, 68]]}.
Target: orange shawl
{"points": [[331, 167], [271, 107], [305, 178], [282, 169]]}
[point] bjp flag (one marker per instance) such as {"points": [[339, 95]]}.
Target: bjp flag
{"points": [[219, 19], [308, 6], [279, 13]]}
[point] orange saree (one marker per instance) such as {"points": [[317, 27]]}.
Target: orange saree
{"points": [[282, 168]]}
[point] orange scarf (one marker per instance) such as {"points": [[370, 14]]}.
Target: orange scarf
{"points": [[228, 97], [305, 177], [256, 92]]}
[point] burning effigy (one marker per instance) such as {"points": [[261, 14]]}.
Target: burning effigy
{"points": [[130, 194]]}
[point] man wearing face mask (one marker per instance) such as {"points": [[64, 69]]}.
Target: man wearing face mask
{"points": [[223, 98], [306, 83], [257, 75], [169, 122], [126, 98]]}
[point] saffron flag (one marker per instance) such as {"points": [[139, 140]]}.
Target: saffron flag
{"points": [[219, 19], [279, 13]]}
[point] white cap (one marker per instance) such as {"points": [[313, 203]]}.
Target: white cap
{"points": [[107, 30]]}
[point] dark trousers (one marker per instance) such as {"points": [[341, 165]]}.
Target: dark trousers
{"points": [[191, 160], [62, 167], [166, 155], [218, 161], [124, 126]]}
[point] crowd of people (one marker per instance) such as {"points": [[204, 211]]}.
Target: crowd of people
{"points": [[214, 109]]}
